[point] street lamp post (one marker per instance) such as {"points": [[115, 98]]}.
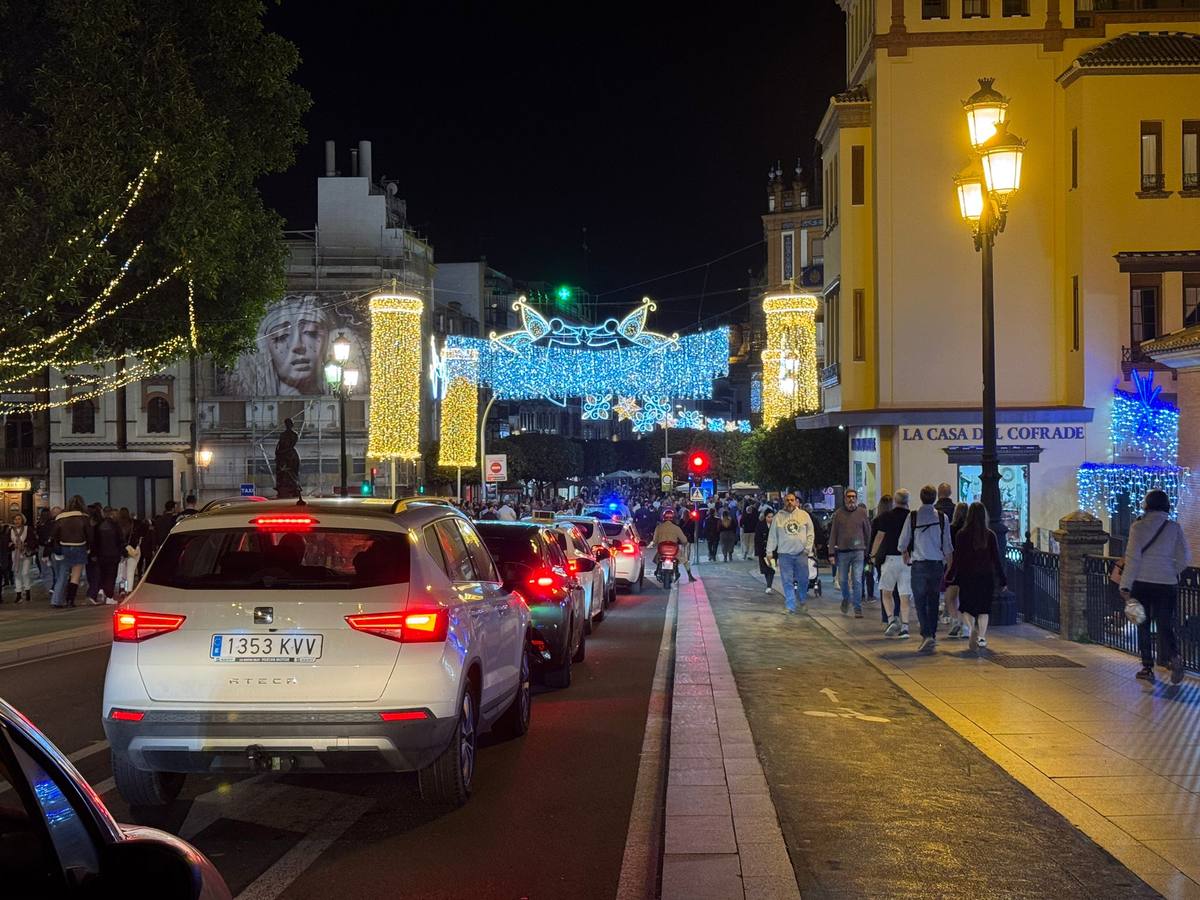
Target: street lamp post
{"points": [[204, 459], [342, 379], [984, 191]]}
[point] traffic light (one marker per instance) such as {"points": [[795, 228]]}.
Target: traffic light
{"points": [[365, 490], [698, 463], [374, 475]]}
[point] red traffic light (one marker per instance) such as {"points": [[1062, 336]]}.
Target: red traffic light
{"points": [[698, 462]]}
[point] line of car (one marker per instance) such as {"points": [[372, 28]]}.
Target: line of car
{"points": [[323, 636]]}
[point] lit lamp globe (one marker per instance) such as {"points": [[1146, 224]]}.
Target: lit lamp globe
{"points": [[969, 188], [333, 373], [204, 458], [341, 348], [350, 376], [986, 109], [1002, 155]]}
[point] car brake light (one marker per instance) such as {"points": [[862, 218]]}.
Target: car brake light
{"points": [[629, 547], [130, 625], [572, 566], [404, 715], [423, 627], [289, 522], [126, 715]]}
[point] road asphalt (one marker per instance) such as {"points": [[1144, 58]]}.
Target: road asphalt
{"points": [[548, 818], [876, 796]]}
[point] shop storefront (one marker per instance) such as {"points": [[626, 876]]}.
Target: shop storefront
{"points": [[16, 496]]}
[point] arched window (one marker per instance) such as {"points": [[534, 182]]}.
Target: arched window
{"points": [[158, 416], [83, 417]]}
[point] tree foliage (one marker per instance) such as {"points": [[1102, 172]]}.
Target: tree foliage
{"points": [[544, 458], [90, 90], [803, 460]]}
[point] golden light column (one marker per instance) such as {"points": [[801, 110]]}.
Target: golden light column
{"points": [[395, 424], [460, 409], [789, 383]]}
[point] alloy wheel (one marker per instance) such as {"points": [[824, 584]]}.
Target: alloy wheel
{"points": [[466, 743]]}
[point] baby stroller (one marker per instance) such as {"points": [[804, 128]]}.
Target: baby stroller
{"points": [[814, 577]]}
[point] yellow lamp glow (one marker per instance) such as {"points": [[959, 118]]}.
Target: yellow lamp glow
{"points": [[790, 360], [986, 109], [1002, 155], [204, 458], [459, 437], [395, 421], [341, 348], [970, 197], [350, 377]]}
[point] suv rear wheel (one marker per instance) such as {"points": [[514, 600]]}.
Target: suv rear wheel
{"points": [[447, 780], [141, 788], [515, 720]]}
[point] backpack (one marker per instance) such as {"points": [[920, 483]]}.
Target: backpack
{"points": [[913, 526]]}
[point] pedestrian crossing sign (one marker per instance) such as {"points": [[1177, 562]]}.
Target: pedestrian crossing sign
{"points": [[697, 495]]}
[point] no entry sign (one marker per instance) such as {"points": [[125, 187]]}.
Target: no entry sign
{"points": [[495, 467]]}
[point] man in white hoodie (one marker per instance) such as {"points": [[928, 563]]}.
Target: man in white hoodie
{"points": [[789, 544]]}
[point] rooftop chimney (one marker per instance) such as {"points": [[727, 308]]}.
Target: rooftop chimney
{"points": [[330, 159], [364, 160], [353, 163]]}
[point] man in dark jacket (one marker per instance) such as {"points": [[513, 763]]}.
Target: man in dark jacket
{"points": [[110, 547], [945, 503], [849, 535], [749, 525], [163, 523], [45, 525]]}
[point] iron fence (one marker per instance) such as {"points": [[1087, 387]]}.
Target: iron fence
{"points": [[1033, 577], [1106, 612]]}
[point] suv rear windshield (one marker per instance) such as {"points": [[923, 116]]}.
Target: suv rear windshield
{"points": [[248, 559], [513, 545], [612, 529], [585, 528]]}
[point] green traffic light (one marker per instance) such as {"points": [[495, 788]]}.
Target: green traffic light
{"points": [[564, 293], [365, 490]]}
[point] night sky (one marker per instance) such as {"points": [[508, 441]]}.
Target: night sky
{"points": [[511, 132]]}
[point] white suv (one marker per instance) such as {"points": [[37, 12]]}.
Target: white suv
{"points": [[329, 636]]}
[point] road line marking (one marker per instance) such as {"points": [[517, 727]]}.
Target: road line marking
{"points": [[91, 750], [639, 864], [24, 662], [103, 787], [273, 882]]}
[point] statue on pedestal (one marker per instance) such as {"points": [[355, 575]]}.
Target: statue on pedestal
{"points": [[287, 464]]}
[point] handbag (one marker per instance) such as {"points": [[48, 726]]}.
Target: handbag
{"points": [[1134, 611], [1118, 568]]}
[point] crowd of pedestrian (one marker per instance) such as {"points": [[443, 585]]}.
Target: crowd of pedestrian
{"points": [[101, 550]]}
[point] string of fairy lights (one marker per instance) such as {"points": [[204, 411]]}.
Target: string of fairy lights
{"points": [[789, 382], [395, 417], [52, 351]]}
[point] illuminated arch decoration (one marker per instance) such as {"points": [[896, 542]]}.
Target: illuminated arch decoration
{"points": [[395, 376], [789, 380], [1144, 431]]}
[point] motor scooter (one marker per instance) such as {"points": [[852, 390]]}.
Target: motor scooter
{"points": [[666, 569]]}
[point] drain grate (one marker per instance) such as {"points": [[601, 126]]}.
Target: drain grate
{"points": [[1033, 661]]}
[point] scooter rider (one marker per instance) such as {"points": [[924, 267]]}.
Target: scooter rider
{"points": [[667, 530]]}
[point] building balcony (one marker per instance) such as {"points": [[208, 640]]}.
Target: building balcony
{"points": [[812, 276], [23, 459], [831, 375], [1153, 183], [1128, 10], [1136, 358]]}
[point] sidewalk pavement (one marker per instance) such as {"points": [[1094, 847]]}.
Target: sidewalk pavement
{"points": [[893, 773], [722, 836], [34, 630]]}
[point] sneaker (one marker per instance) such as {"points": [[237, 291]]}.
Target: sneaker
{"points": [[955, 630], [858, 614], [845, 606], [1146, 674], [789, 612], [1176, 669], [981, 643], [927, 645], [903, 635], [768, 591], [893, 628]]}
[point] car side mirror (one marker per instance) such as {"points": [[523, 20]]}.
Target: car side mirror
{"points": [[585, 564], [146, 868]]}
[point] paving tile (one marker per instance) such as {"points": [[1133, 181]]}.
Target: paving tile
{"points": [[771, 887], [707, 776], [739, 766], [1182, 802], [752, 806], [1176, 767], [756, 829], [1182, 827], [752, 783], [697, 800], [1184, 854], [1189, 782], [700, 834], [766, 859], [739, 750], [1082, 786], [694, 749], [1176, 886], [713, 877], [1066, 766]]}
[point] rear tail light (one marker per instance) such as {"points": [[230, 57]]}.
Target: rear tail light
{"points": [[416, 627], [404, 715], [131, 625], [629, 547], [572, 566], [288, 522], [545, 580], [126, 715]]}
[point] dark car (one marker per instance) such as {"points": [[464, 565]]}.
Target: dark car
{"points": [[532, 563], [57, 839]]}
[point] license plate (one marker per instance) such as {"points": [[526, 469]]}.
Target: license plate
{"points": [[668, 564], [266, 647]]}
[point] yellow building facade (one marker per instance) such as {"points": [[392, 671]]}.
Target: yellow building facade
{"points": [[1097, 256]]}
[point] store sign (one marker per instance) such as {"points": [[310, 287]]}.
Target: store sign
{"points": [[1022, 433], [15, 484], [863, 445]]}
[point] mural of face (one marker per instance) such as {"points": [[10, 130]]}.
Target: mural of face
{"points": [[297, 337]]}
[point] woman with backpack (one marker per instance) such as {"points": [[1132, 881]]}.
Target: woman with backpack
{"points": [[1156, 554], [976, 569]]}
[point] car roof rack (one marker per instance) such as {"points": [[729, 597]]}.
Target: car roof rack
{"points": [[404, 503]]}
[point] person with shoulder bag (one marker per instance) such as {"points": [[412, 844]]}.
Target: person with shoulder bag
{"points": [[1156, 555]]}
